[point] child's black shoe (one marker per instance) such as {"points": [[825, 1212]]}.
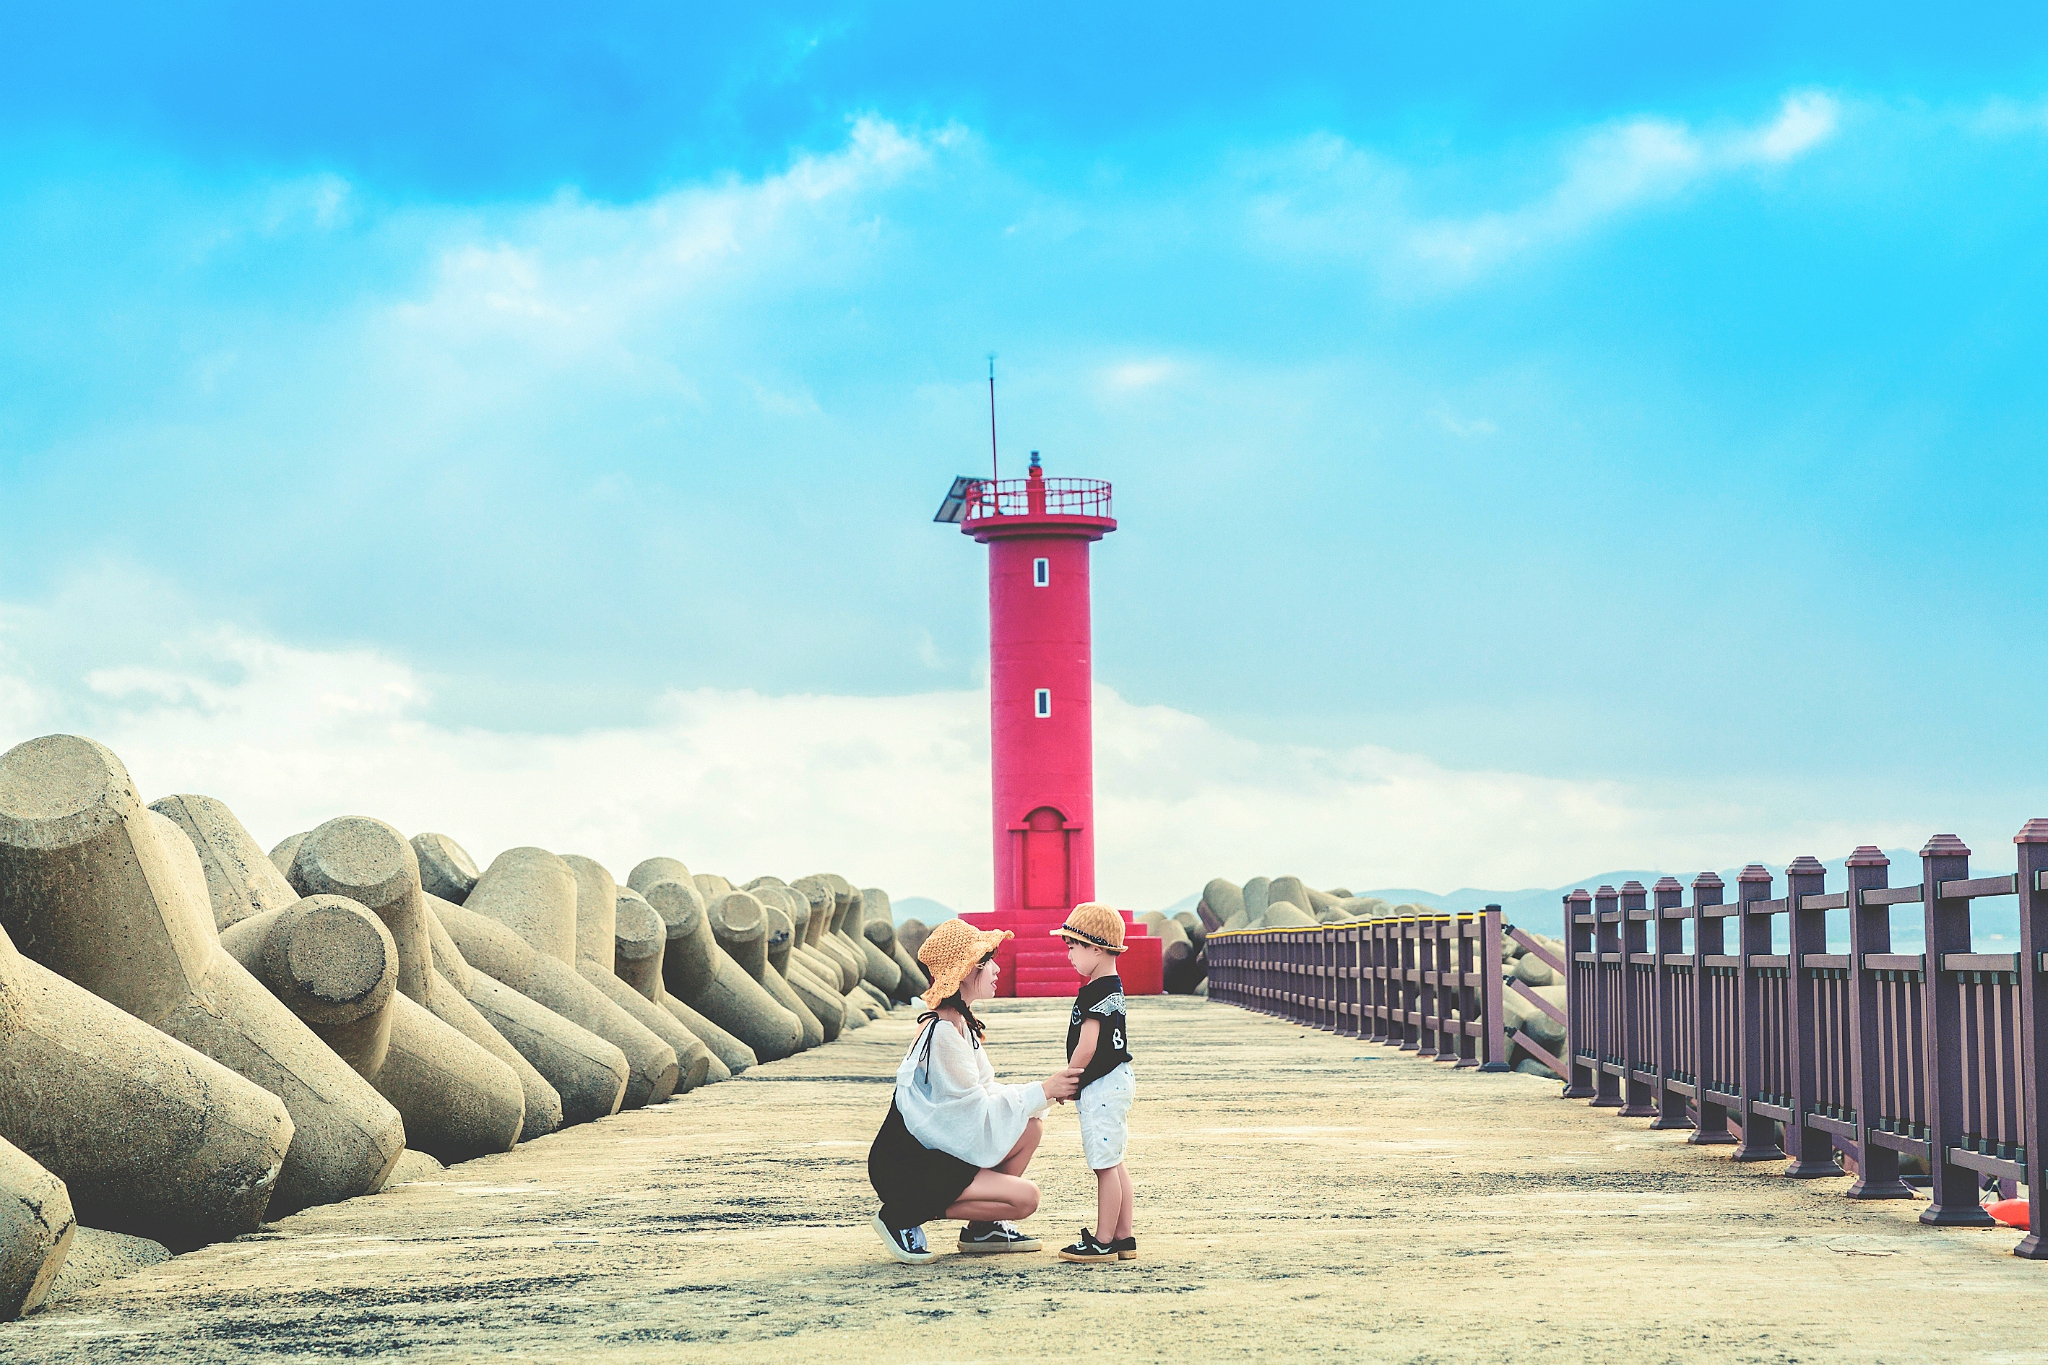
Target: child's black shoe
{"points": [[1126, 1248], [1088, 1251]]}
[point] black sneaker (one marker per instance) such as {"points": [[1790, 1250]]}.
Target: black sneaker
{"points": [[1088, 1251], [1126, 1248], [995, 1239], [905, 1244]]}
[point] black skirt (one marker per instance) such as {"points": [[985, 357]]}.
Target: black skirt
{"points": [[916, 1183]]}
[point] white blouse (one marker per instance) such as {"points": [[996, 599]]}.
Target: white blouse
{"points": [[955, 1104]]}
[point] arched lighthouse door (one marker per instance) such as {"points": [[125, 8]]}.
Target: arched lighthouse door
{"points": [[1046, 851]]}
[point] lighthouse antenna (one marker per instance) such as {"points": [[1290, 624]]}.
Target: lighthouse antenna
{"points": [[995, 468]]}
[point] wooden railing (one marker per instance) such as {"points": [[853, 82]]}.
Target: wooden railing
{"points": [[1430, 984], [1878, 1053]]}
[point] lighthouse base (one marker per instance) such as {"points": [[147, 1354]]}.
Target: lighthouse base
{"points": [[1034, 963]]}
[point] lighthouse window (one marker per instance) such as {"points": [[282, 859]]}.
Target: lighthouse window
{"points": [[1041, 572], [1042, 702]]}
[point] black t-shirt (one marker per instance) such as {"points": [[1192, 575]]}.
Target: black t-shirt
{"points": [[1103, 1000]]}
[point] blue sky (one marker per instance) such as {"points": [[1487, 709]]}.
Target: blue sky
{"points": [[1600, 405]]}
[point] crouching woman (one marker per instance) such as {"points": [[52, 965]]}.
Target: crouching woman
{"points": [[956, 1143]]}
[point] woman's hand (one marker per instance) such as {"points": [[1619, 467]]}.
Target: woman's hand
{"points": [[1063, 1084]]}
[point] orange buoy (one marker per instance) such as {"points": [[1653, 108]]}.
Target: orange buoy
{"points": [[2011, 1212]]}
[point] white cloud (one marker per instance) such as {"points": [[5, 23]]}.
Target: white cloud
{"points": [[574, 273], [2003, 117], [1462, 426], [1805, 121], [1138, 374], [1327, 197], [891, 791]]}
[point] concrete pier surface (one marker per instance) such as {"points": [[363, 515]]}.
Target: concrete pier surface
{"points": [[1300, 1196]]}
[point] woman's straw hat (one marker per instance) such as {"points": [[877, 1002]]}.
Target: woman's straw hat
{"points": [[1095, 924], [955, 949]]}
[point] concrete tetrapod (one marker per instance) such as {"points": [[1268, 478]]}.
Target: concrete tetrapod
{"points": [[596, 947], [36, 1228], [111, 894], [911, 934], [1177, 955], [706, 978], [337, 966], [499, 952], [533, 893], [878, 970], [776, 941], [148, 1136], [651, 870], [97, 1256], [240, 878], [1287, 915], [638, 939], [682, 913], [446, 870], [1254, 897], [862, 994], [1291, 890], [838, 902], [793, 958], [909, 981], [372, 864], [825, 912], [828, 971], [586, 1074], [281, 856], [1224, 899], [880, 911]]}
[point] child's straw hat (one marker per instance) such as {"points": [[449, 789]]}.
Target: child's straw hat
{"points": [[1093, 923], [954, 949]]}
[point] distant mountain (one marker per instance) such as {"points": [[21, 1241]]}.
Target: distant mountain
{"points": [[920, 908]]}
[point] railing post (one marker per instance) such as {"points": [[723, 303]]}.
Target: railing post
{"points": [[1372, 972], [1607, 996], [1953, 1189], [1340, 992], [2032, 841], [1449, 953], [1870, 931], [1494, 1036], [1464, 999], [1812, 1150], [1333, 964], [1410, 983], [1635, 1048], [1667, 940], [1581, 997], [1709, 937], [1333, 1020], [1753, 935]]}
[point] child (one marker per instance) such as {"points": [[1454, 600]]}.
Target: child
{"points": [[1099, 1043]]}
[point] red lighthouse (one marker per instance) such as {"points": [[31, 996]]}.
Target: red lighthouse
{"points": [[1041, 718]]}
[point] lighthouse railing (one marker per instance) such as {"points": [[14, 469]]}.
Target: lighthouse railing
{"points": [[1037, 498]]}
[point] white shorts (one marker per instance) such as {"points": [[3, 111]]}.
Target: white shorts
{"points": [[1105, 1109]]}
